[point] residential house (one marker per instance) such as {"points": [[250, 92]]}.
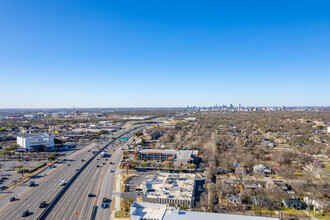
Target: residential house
{"points": [[292, 203]]}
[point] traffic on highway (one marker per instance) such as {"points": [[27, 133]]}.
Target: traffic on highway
{"points": [[73, 187]]}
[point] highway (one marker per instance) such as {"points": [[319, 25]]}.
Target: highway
{"points": [[49, 187], [96, 180], [76, 198], [46, 190], [106, 190]]}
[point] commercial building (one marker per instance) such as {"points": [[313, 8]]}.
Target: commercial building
{"points": [[176, 156], [32, 142], [152, 211], [171, 189]]}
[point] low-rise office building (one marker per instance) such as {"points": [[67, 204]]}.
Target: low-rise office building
{"points": [[171, 189], [154, 211], [32, 142], [176, 156]]}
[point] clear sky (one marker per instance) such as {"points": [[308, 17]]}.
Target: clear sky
{"points": [[171, 53]]}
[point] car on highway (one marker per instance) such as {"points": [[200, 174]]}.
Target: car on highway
{"points": [[104, 163], [97, 165], [82, 160], [5, 174], [12, 199], [111, 171], [26, 213], [2, 188], [62, 183], [104, 199], [76, 169], [68, 164], [90, 195], [112, 163], [104, 205], [43, 204], [31, 183]]}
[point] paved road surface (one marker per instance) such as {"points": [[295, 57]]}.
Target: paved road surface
{"points": [[95, 180], [47, 188]]}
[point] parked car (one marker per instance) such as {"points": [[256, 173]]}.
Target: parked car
{"points": [[104, 205], [62, 183], [42, 204], [31, 183], [12, 199], [104, 199]]}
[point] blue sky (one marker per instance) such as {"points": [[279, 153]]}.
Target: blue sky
{"points": [[156, 53]]}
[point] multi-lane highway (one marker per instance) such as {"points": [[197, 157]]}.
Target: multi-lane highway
{"points": [[76, 198], [46, 189]]}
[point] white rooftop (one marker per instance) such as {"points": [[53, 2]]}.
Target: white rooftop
{"points": [[146, 210]]}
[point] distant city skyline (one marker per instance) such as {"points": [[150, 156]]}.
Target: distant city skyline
{"points": [[111, 54]]}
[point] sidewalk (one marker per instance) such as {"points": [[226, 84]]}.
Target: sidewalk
{"points": [[117, 191]]}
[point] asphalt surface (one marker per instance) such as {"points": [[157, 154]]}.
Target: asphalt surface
{"points": [[95, 180], [48, 187], [45, 190], [76, 197], [107, 188]]}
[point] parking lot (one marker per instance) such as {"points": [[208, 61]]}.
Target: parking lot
{"points": [[134, 182], [9, 168]]}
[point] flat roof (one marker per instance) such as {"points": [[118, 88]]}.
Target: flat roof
{"points": [[147, 210], [169, 185], [188, 215]]}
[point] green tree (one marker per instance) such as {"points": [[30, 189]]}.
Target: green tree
{"points": [[192, 166], [22, 171], [52, 157], [139, 133], [144, 164], [58, 142]]}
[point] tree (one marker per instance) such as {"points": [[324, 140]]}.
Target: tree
{"points": [[10, 150], [22, 171], [52, 157], [144, 164], [211, 195], [138, 134], [192, 166], [58, 142], [127, 205]]}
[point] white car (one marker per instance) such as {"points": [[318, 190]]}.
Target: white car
{"points": [[62, 183]]}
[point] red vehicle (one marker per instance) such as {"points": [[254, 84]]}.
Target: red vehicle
{"points": [[104, 199]]}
